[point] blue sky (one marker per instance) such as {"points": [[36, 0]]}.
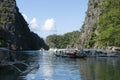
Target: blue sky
{"points": [[46, 17]]}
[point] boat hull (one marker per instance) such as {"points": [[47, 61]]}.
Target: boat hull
{"points": [[73, 55]]}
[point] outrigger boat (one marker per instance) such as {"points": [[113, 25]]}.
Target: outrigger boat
{"points": [[74, 55], [69, 53], [100, 53]]}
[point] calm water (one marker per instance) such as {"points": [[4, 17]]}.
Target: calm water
{"points": [[58, 68]]}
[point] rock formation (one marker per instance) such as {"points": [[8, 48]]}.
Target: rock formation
{"points": [[101, 27], [14, 31], [89, 28]]}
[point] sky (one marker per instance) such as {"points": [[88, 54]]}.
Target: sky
{"points": [[46, 17]]}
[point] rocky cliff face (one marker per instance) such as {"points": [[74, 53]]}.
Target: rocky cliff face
{"points": [[101, 28], [14, 31], [89, 28]]}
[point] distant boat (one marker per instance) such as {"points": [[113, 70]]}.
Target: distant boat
{"points": [[99, 53], [105, 53], [71, 53], [74, 55]]}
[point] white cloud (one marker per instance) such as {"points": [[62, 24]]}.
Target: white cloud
{"points": [[25, 17], [46, 29], [34, 24], [49, 25]]}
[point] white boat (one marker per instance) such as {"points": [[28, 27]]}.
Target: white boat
{"points": [[99, 53]]}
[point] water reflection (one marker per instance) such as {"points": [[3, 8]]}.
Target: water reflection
{"points": [[55, 68], [27, 59], [100, 69], [58, 68]]}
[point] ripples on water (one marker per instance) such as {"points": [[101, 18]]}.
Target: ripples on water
{"points": [[58, 68]]}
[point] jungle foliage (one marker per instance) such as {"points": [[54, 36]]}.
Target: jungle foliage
{"points": [[63, 41], [109, 23]]}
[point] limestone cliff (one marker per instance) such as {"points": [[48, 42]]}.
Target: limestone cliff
{"points": [[89, 28], [14, 31], [101, 27]]}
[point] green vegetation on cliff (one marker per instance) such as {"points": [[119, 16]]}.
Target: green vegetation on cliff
{"points": [[109, 23], [101, 27], [63, 41]]}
